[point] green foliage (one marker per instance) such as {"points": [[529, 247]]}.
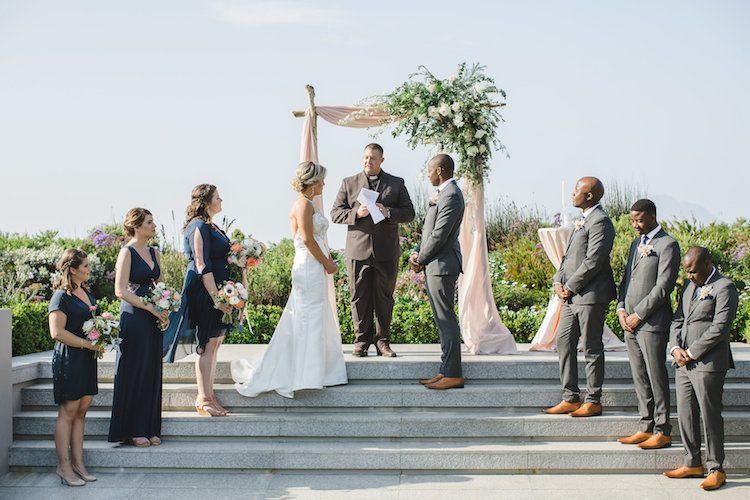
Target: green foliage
{"points": [[30, 328], [619, 197], [413, 322], [271, 282], [523, 322], [263, 320]]}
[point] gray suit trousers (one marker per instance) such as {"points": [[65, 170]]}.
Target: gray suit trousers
{"points": [[647, 352], [442, 291], [699, 393], [578, 320]]}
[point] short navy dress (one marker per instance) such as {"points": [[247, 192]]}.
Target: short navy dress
{"points": [[136, 404], [73, 368], [197, 315]]}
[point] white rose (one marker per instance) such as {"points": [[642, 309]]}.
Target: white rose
{"points": [[458, 121], [444, 110], [163, 303], [479, 134], [482, 148], [472, 150], [432, 87], [433, 112], [234, 300], [456, 106], [88, 325], [417, 99]]}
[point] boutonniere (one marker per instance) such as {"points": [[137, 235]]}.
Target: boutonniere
{"points": [[434, 197], [646, 250], [579, 223], [705, 292]]}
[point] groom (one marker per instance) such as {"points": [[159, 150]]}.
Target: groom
{"points": [[372, 250], [439, 255]]}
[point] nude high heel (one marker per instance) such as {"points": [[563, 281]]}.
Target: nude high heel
{"points": [[64, 480], [86, 477]]}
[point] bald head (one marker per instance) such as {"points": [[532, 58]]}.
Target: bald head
{"points": [[588, 192], [697, 265], [699, 255], [440, 169]]}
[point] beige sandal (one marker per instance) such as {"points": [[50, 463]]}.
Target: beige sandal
{"points": [[206, 408]]}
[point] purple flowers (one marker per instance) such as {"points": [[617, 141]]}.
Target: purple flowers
{"points": [[105, 240]]}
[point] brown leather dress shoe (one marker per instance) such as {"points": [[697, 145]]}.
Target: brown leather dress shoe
{"points": [[714, 480], [682, 472], [636, 438], [655, 442], [562, 408], [447, 383], [431, 380], [587, 410], [360, 351], [384, 349]]}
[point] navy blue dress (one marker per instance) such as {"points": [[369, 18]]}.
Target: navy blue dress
{"points": [[73, 368], [136, 404], [197, 315]]}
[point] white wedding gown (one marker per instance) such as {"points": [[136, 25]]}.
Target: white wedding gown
{"points": [[305, 350]]}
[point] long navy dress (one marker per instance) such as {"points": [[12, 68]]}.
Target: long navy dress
{"points": [[73, 368], [136, 404], [197, 315]]}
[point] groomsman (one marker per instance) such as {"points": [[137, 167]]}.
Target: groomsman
{"points": [[372, 250], [585, 285], [699, 341], [645, 313], [439, 255]]}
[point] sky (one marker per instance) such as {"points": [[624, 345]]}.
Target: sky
{"points": [[105, 106]]}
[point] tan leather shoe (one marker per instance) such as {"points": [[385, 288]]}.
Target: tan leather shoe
{"points": [[447, 383], [563, 407], [655, 442], [636, 438], [360, 351], [682, 472], [431, 380], [587, 410], [714, 480], [384, 349]]}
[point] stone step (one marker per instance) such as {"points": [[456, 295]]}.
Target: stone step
{"points": [[491, 455], [526, 425], [416, 361], [387, 395]]}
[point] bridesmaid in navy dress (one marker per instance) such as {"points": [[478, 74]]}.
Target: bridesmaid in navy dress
{"points": [[73, 363], [206, 247], [136, 404]]}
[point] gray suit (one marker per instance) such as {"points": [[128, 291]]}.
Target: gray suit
{"points": [[585, 271], [645, 290], [372, 252], [440, 254], [701, 326]]}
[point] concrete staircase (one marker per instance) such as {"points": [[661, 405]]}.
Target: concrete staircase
{"points": [[384, 420]]}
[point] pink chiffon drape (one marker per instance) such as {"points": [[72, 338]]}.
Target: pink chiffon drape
{"points": [[482, 330]]}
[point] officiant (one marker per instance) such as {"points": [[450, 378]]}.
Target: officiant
{"points": [[372, 248]]}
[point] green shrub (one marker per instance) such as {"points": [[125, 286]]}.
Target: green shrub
{"points": [[271, 282], [522, 323], [30, 328], [413, 322], [263, 320]]}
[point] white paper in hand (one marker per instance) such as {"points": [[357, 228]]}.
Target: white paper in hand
{"points": [[368, 198]]}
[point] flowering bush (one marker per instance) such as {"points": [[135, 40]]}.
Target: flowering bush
{"points": [[456, 114]]}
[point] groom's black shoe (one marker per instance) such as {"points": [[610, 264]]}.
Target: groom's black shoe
{"points": [[360, 351], [384, 349]]}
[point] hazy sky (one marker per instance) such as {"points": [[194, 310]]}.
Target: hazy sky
{"points": [[109, 105]]}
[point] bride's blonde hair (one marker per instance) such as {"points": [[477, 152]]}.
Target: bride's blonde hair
{"points": [[307, 174]]}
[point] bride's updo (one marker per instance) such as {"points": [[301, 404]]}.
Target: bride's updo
{"points": [[307, 174]]}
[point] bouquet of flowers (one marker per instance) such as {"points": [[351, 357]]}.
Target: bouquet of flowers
{"points": [[164, 298], [232, 294], [102, 331], [245, 252]]}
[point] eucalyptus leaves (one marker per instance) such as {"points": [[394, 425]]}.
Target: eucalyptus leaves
{"points": [[456, 114]]}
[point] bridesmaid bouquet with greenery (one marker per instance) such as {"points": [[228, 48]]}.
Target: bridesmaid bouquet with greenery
{"points": [[234, 295], [102, 331], [245, 252], [164, 298]]}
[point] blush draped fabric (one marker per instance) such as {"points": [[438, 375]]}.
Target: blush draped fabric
{"points": [[554, 242], [482, 330]]}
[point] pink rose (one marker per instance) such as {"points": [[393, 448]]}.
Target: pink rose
{"points": [[94, 334], [165, 294], [92, 308], [108, 316]]}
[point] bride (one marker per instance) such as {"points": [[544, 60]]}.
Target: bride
{"points": [[305, 350]]}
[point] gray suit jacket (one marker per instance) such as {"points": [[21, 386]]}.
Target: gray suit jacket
{"points": [[439, 250], [702, 325], [585, 268], [363, 238], [648, 282]]}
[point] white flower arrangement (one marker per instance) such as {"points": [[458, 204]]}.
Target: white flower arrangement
{"points": [[705, 292]]}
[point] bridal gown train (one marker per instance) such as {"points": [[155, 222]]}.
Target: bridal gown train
{"points": [[305, 350]]}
